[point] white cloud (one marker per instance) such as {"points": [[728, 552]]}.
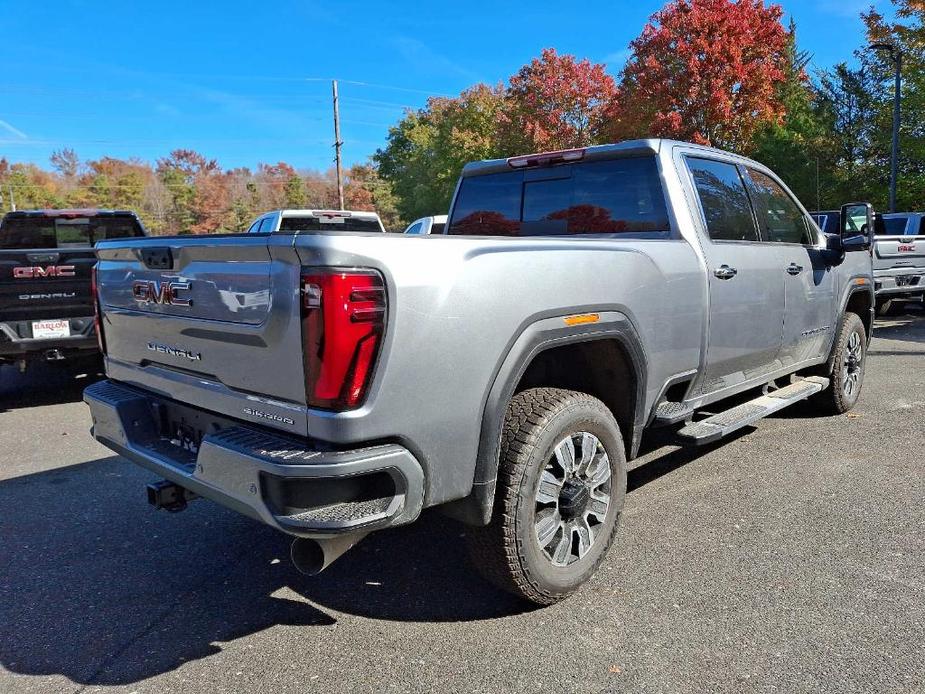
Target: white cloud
{"points": [[15, 131]]}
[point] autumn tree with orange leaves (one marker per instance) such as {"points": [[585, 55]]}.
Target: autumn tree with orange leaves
{"points": [[706, 71]]}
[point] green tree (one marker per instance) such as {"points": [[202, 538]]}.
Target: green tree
{"points": [[426, 150], [908, 34], [798, 148]]}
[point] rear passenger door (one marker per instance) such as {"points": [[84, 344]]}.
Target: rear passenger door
{"points": [[746, 282], [809, 283]]}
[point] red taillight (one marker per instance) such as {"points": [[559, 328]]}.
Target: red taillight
{"points": [[343, 314], [97, 318]]}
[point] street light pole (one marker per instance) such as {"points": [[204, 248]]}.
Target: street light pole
{"points": [[897, 57]]}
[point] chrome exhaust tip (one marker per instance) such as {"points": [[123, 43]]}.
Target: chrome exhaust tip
{"points": [[312, 556]]}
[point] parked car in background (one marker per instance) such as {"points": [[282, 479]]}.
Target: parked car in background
{"points": [[316, 220], [427, 225], [899, 259], [46, 262], [505, 371], [828, 221]]}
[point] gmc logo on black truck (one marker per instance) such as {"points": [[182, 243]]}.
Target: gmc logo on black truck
{"points": [[37, 272]]}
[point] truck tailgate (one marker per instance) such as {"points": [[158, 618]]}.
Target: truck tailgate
{"points": [[207, 321], [895, 252], [45, 283]]}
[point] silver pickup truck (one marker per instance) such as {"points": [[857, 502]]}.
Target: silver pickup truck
{"points": [[899, 259], [332, 384]]}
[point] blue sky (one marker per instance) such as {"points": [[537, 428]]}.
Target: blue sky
{"points": [[250, 82]]}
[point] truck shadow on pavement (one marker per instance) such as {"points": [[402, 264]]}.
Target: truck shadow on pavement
{"points": [[103, 590], [907, 326], [45, 384]]}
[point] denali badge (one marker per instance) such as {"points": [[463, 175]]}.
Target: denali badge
{"points": [[154, 292], [37, 272], [268, 415], [175, 351]]}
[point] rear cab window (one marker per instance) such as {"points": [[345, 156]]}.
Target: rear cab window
{"points": [[328, 224], [49, 231], [895, 226], [605, 197]]}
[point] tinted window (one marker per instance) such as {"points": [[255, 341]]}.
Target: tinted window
{"points": [[602, 197], [488, 205], [779, 218], [894, 226], [437, 227], [56, 232], [328, 224], [827, 221], [724, 200], [415, 228]]}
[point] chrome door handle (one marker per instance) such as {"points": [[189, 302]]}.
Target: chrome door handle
{"points": [[794, 269], [724, 272]]}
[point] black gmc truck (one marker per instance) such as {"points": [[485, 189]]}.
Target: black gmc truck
{"points": [[46, 264]]}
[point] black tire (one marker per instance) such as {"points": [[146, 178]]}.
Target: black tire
{"points": [[849, 361], [508, 550]]}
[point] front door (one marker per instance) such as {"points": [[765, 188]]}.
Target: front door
{"points": [[746, 283], [809, 283]]}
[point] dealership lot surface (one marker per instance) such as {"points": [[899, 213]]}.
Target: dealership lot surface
{"points": [[789, 558]]}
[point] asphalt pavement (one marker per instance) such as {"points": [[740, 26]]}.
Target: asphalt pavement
{"points": [[790, 558]]}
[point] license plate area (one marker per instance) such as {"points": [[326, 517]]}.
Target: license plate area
{"points": [[183, 428], [907, 280], [50, 329]]}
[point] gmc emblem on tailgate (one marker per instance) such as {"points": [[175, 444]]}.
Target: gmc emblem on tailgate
{"points": [[154, 292], [37, 272]]}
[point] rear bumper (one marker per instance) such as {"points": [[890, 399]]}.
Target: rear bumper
{"points": [[293, 485], [16, 339], [899, 281]]}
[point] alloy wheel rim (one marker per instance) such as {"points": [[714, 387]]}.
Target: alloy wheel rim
{"points": [[851, 371], [572, 498]]}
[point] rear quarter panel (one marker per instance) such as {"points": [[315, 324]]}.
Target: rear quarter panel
{"points": [[456, 307]]}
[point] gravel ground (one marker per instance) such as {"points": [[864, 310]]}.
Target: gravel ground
{"points": [[789, 558]]}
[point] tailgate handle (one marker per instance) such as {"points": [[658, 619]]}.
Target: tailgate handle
{"points": [[157, 258]]}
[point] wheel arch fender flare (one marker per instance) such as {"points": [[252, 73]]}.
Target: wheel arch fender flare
{"points": [[855, 289], [535, 338]]}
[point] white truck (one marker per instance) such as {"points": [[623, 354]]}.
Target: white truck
{"points": [[899, 259], [316, 220]]}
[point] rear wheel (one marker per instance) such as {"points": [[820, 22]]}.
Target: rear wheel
{"points": [[561, 488], [847, 372]]}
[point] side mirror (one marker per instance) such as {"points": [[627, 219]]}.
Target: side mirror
{"points": [[857, 226]]}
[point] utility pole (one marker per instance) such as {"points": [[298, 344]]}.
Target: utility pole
{"points": [[818, 197], [897, 57], [337, 145], [12, 199]]}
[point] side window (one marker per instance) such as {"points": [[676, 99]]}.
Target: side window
{"points": [[253, 227], [415, 228], [266, 224], [724, 200], [922, 226], [779, 218]]}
